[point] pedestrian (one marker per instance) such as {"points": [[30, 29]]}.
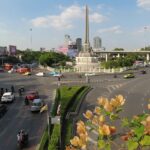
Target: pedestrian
{"points": [[2, 91], [12, 89], [6, 90], [26, 101], [20, 92]]}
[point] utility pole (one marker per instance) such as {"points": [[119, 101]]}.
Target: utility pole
{"points": [[31, 39]]}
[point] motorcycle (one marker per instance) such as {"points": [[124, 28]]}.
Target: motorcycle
{"points": [[22, 139], [115, 76]]}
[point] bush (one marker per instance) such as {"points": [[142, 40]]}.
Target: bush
{"points": [[55, 136], [56, 103], [66, 94], [44, 140]]}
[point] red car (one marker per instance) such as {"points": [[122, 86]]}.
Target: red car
{"points": [[31, 95]]}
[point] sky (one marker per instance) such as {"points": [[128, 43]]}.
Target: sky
{"points": [[119, 23]]}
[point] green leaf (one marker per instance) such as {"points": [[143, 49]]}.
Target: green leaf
{"points": [[125, 122], [145, 141], [118, 110], [107, 146], [139, 131], [132, 145], [101, 144], [114, 116]]}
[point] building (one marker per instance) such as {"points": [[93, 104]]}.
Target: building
{"points": [[3, 50], [79, 44], [86, 61], [97, 42]]}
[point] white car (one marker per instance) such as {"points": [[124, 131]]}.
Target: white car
{"points": [[89, 74], [8, 97], [37, 104], [40, 74]]}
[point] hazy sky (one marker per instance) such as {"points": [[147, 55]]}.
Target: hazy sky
{"points": [[120, 23]]}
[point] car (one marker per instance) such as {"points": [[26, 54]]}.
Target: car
{"points": [[31, 95], [37, 104], [40, 74], [129, 75], [143, 71], [3, 109], [58, 75], [8, 97], [89, 74], [1, 69], [27, 74]]}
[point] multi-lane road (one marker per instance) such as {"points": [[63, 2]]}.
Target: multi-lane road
{"points": [[136, 91], [18, 115]]}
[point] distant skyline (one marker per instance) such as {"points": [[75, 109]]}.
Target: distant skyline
{"points": [[119, 23]]}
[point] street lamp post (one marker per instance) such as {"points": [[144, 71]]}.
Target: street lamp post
{"points": [[145, 30], [30, 38]]}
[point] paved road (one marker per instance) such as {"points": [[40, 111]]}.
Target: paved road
{"points": [[18, 115], [136, 91]]}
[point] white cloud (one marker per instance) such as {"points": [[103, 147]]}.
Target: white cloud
{"points": [[114, 29], [97, 18], [144, 4], [65, 19]]}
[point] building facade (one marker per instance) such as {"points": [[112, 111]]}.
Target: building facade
{"points": [[97, 42]]}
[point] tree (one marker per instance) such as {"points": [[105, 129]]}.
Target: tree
{"points": [[118, 49]]}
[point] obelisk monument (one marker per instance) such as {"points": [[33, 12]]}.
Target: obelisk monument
{"points": [[85, 61]]}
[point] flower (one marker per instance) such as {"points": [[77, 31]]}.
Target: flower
{"points": [[81, 129], [95, 120], [75, 141], [97, 110], [112, 129], [108, 107], [101, 119], [114, 102], [148, 106], [102, 101], [88, 114], [120, 99], [104, 130], [70, 148]]}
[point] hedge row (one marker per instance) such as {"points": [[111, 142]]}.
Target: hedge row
{"points": [[54, 139], [44, 140], [56, 103], [66, 94], [69, 123]]}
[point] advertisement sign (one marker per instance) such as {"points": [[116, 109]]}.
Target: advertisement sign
{"points": [[72, 53], [3, 51], [12, 50]]}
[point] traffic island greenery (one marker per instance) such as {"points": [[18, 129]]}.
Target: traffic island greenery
{"points": [[54, 139], [44, 140]]}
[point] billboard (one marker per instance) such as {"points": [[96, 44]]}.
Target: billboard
{"points": [[72, 53], [12, 50], [3, 51]]}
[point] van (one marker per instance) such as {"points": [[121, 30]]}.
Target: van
{"points": [[37, 104]]}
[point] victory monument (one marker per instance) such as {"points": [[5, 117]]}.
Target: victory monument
{"points": [[86, 61]]}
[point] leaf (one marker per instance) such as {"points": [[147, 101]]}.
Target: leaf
{"points": [[101, 144], [125, 122], [107, 147], [118, 110], [132, 145], [145, 141], [114, 116], [139, 131]]}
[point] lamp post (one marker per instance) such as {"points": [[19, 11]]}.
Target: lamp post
{"points": [[145, 30], [30, 38]]}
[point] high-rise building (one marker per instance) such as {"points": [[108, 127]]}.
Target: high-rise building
{"points": [[97, 42], [79, 44]]}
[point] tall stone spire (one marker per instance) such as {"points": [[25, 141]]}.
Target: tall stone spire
{"points": [[86, 43]]}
